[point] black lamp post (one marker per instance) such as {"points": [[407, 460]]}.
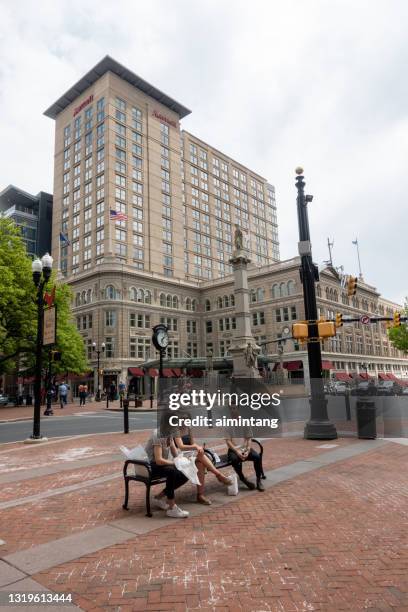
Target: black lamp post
{"points": [[41, 269], [318, 427], [48, 411], [98, 354]]}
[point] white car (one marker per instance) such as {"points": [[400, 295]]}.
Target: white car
{"points": [[340, 388]]}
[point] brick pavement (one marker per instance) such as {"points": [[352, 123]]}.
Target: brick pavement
{"points": [[336, 539], [332, 539], [51, 518]]}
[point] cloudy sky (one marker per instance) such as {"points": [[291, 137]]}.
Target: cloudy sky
{"points": [[321, 83]]}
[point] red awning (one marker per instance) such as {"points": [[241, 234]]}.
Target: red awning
{"points": [[25, 380], [168, 373], [136, 371], [382, 376], [153, 373], [343, 376], [177, 372], [364, 376], [392, 377], [327, 365], [291, 366]]}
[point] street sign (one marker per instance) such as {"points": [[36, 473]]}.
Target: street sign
{"points": [[365, 320], [50, 326]]}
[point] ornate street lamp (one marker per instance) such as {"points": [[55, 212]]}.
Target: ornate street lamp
{"points": [[318, 427], [98, 353], [41, 269]]}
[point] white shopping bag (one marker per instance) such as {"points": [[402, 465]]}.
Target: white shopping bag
{"points": [[137, 453], [233, 488], [188, 467]]}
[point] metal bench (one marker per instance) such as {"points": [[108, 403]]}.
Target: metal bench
{"points": [[224, 461], [146, 478], [145, 474]]}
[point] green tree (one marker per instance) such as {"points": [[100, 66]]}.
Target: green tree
{"points": [[18, 311], [399, 335]]}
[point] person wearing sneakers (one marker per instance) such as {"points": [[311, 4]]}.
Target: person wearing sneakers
{"points": [[240, 451], [185, 442], [160, 451]]}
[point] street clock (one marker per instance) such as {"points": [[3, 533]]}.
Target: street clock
{"points": [[160, 337]]}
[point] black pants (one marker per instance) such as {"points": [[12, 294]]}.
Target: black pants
{"points": [[174, 478], [237, 463], [82, 398]]}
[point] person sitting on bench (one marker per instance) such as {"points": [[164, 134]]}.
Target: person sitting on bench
{"points": [[185, 442], [160, 451], [240, 452]]}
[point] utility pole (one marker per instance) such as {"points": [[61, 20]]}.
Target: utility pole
{"points": [[318, 427]]}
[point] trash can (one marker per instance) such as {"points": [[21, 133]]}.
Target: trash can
{"points": [[366, 420]]}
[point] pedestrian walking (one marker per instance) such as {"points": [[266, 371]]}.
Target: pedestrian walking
{"points": [[83, 392], [63, 392]]}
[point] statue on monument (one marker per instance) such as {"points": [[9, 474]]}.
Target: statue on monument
{"points": [[250, 356], [238, 238]]}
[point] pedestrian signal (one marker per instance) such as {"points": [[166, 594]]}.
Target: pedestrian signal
{"points": [[326, 329], [300, 331]]}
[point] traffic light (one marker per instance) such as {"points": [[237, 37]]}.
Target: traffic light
{"points": [[397, 319], [326, 329], [300, 331], [352, 285], [339, 319]]}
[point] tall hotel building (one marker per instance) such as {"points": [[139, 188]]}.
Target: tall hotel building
{"points": [[143, 222]]}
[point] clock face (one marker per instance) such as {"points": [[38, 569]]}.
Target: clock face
{"points": [[162, 338]]}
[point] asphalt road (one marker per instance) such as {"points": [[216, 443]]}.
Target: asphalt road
{"points": [[72, 425]]}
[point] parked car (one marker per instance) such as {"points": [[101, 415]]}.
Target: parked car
{"points": [[4, 399], [388, 387], [339, 388], [364, 387]]}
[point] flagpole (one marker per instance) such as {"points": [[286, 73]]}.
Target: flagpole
{"points": [[358, 257]]}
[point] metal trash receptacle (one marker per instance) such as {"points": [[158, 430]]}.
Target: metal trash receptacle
{"points": [[366, 420]]}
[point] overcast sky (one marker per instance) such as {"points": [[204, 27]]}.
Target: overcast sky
{"points": [[273, 84]]}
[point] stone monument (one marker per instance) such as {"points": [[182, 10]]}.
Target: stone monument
{"points": [[244, 350]]}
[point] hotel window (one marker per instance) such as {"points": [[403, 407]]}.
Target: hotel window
{"points": [[120, 234], [87, 241], [208, 326], [120, 129], [121, 142], [100, 235], [120, 116], [67, 136], [137, 227], [137, 187], [120, 180], [143, 321], [100, 207], [137, 162], [137, 150], [109, 346], [143, 348], [99, 249], [120, 249], [100, 135], [87, 254], [120, 104], [100, 108], [192, 349]]}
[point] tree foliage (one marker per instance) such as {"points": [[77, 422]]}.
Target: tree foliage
{"points": [[399, 335], [18, 311]]}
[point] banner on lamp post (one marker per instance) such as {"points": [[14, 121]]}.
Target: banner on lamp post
{"points": [[50, 326]]}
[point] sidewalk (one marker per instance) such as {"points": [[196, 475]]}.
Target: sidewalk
{"points": [[329, 533], [17, 413]]}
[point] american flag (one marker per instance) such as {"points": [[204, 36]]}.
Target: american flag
{"points": [[117, 216]]}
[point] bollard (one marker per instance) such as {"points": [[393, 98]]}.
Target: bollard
{"points": [[125, 416], [107, 400], [151, 401], [348, 410]]}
